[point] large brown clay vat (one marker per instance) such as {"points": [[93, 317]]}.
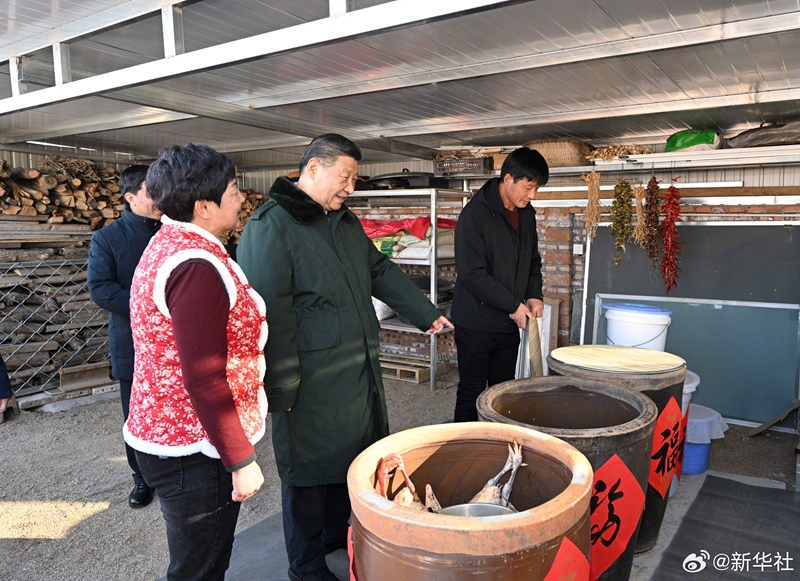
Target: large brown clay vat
{"points": [[657, 375], [550, 534], [613, 427]]}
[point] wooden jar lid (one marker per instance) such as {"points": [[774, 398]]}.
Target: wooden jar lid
{"points": [[617, 359]]}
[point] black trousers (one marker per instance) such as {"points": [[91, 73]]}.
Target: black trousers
{"points": [[125, 397], [195, 497], [315, 521], [484, 359]]}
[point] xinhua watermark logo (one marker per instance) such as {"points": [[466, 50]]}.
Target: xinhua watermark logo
{"points": [[762, 561]]}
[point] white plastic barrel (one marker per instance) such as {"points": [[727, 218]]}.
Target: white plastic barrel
{"points": [[689, 386], [635, 325]]}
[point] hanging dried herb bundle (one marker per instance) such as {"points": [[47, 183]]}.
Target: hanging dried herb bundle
{"points": [[621, 218], [652, 213], [640, 231], [670, 241], [592, 214]]}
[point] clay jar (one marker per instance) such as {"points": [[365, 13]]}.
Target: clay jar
{"points": [[551, 531], [613, 427]]}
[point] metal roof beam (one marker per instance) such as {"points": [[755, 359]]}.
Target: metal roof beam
{"points": [[71, 152], [177, 106], [739, 99], [650, 43], [92, 126], [366, 21], [212, 109], [130, 10]]}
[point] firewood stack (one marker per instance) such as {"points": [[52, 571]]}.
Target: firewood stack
{"points": [[252, 202], [48, 321], [64, 189]]}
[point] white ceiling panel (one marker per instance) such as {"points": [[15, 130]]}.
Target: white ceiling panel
{"points": [[536, 69]]}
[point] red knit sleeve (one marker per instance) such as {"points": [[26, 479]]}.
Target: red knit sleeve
{"points": [[198, 304]]}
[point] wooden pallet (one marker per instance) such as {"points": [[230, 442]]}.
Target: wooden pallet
{"points": [[409, 368]]}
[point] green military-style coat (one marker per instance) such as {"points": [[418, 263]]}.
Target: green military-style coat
{"points": [[317, 274]]}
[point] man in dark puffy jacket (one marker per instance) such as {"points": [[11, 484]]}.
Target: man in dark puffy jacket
{"points": [[499, 283], [113, 256]]}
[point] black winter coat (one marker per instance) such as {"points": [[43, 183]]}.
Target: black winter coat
{"points": [[113, 256], [5, 382], [498, 267]]}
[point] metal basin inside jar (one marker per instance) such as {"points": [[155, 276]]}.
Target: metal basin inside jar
{"points": [[476, 509]]}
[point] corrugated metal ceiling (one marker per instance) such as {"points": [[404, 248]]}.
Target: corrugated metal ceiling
{"points": [[474, 79]]}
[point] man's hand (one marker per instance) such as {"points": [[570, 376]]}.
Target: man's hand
{"points": [[246, 482], [440, 324], [536, 307], [520, 316]]}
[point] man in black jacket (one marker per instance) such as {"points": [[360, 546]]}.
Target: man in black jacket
{"points": [[113, 256], [499, 282]]}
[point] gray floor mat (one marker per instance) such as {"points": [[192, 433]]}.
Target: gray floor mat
{"points": [[735, 531]]}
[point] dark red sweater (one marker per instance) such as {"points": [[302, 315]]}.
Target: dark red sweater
{"points": [[199, 306]]}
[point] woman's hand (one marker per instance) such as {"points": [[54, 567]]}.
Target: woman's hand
{"points": [[246, 482], [4, 404]]}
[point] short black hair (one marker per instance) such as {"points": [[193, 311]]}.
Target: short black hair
{"points": [[524, 163], [132, 178], [327, 148], [185, 174]]}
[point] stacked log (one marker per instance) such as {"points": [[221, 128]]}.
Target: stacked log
{"points": [[252, 202], [64, 190], [48, 321]]}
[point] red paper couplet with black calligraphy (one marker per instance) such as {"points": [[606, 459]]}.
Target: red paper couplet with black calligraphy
{"points": [[667, 447], [616, 506], [570, 564], [682, 443], [351, 554]]}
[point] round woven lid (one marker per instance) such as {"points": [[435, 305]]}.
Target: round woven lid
{"points": [[617, 359]]}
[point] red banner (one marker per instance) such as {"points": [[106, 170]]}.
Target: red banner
{"points": [[616, 507], [570, 564], [667, 453]]}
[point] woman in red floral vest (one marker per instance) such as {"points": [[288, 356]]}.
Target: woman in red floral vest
{"points": [[197, 401]]}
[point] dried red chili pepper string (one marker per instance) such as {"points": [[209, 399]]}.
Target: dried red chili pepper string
{"points": [[670, 241]]}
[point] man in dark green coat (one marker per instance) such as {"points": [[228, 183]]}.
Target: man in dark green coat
{"points": [[308, 256]]}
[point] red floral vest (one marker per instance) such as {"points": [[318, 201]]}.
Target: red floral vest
{"points": [[162, 420]]}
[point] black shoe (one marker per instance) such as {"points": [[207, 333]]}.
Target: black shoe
{"points": [[321, 574], [140, 496]]}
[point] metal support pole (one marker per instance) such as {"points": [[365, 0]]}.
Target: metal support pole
{"points": [[434, 281], [62, 67], [172, 30], [339, 7], [18, 86]]}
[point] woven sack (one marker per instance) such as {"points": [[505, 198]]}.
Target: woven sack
{"points": [[562, 152]]}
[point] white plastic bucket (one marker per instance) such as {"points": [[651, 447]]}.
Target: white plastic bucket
{"points": [[689, 386], [634, 325]]}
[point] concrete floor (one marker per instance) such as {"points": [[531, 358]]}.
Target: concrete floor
{"points": [[74, 458]]}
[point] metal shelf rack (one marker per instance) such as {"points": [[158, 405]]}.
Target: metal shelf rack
{"points": [[436, 198]]}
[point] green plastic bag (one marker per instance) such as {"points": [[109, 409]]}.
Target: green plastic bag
{"points": [[692, 138]]}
